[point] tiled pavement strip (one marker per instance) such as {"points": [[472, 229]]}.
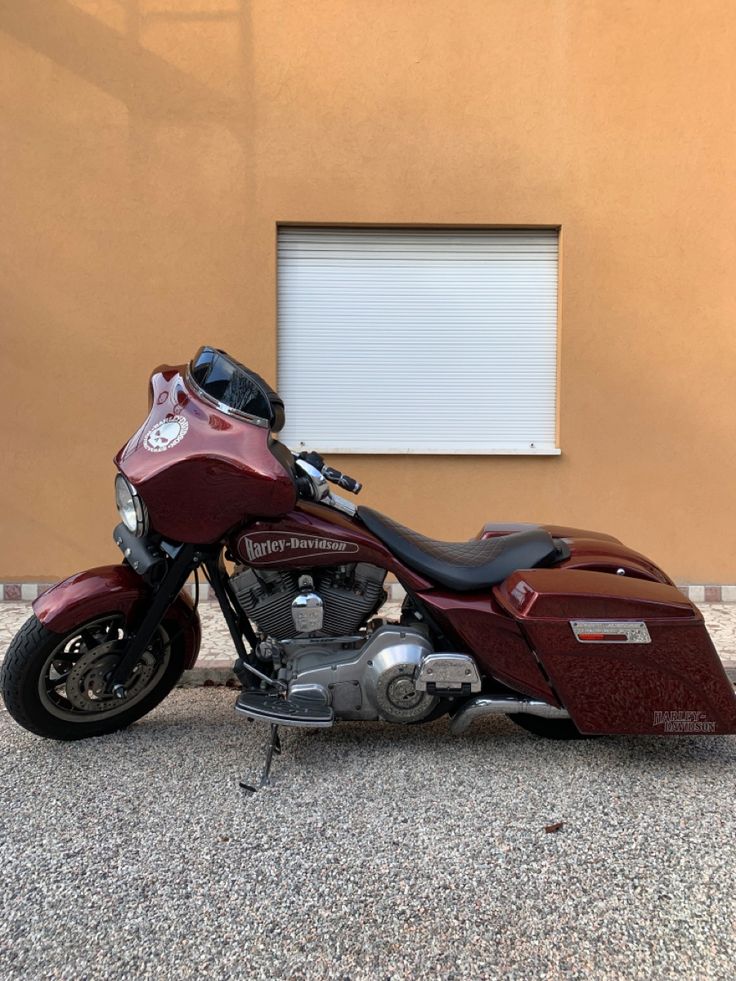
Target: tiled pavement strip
{"points": [[216, 656]]}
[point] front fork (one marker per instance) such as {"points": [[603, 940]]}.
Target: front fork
{"points": [[183, 560]]}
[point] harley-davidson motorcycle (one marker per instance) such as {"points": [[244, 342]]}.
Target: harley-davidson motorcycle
{"points": [[568, 632]]}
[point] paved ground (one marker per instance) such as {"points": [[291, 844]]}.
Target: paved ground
{"points": [[379, 853]]}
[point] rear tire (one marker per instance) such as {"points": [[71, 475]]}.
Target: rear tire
{"points": [[24, 672], [548, 728]]}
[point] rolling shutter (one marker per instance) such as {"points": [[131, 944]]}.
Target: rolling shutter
{"points": [[418, 340]]}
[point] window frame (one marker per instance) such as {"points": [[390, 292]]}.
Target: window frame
{"points": [[378, 450]]}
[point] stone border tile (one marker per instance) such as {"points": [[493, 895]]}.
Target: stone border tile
{"points": [[26, 592]]}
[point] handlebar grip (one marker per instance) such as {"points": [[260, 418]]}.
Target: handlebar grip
{"points": [[342, 480]]}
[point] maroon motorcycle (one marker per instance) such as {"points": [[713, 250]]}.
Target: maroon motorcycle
{"points": [[567, 632]]}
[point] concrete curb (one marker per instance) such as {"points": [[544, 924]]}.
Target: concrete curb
{"points": [[210, 674]]}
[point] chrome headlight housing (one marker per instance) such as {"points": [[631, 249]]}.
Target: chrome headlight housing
{"points": [[132, 510]]}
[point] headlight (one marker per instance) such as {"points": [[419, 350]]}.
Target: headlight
{"points": [[131, 508]]}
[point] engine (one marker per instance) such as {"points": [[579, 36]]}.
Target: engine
{"points": [[346, 594], [311, 622]]}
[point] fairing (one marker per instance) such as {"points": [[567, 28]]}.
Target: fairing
{"points": [[220, 471]]}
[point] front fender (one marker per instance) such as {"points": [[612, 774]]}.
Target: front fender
{"points": [[112, 589]]}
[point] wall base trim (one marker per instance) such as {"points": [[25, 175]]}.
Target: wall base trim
{"points": [[26, 592]]}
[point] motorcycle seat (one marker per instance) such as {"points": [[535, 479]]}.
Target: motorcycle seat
{"points": [[464, 566]]}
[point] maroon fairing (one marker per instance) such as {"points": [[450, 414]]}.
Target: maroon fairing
{"points": [[111, 589], [222, 473]]}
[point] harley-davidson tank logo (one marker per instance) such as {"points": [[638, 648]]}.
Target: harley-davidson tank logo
{"points": [[270, 548], [166, 434]]}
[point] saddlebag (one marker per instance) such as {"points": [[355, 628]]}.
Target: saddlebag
{"points": [[624, 655]]}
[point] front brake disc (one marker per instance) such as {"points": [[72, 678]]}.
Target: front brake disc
{"points": [[87, 680]]}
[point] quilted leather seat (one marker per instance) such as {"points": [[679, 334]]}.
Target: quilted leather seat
{"points": [[464, 566]]}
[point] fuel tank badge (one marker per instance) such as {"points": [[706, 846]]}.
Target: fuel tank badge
{"points": [[610, 632], [166, 434]]}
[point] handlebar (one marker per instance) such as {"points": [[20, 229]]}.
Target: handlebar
{"points": [[342, 480], [329, 473]]}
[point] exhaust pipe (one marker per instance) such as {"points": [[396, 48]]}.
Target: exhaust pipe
{"points": [[501, 705]]}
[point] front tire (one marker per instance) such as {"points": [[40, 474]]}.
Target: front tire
{"points": [[53, 684]]}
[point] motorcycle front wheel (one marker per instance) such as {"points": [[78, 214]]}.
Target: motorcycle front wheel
{"points": [[54, 685]]}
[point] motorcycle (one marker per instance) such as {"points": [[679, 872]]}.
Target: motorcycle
{"points": [[568, 632]]}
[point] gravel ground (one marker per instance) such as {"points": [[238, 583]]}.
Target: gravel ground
{"points": [[379, 853]]}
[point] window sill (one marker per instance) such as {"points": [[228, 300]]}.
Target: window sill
{"points": [[324, 448]]}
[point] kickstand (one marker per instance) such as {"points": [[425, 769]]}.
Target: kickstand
{"points": [[272, 746]]}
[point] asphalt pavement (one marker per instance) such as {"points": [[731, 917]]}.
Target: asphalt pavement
{"points": [[379, 852]]}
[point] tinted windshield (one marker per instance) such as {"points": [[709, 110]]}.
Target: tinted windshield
{"points": [[234, 386]]}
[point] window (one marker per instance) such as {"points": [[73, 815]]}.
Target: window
{"points": [[397, 340]]}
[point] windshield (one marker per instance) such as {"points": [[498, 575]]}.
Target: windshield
{"points": [[235, 387]]}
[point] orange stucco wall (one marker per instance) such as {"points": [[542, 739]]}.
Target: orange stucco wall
{"points": [[150, 148]]}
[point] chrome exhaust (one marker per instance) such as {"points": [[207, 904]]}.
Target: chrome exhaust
{"points": [[501, 705]]}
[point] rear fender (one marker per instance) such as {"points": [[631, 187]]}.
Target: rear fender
{"points": [[112, 589]]}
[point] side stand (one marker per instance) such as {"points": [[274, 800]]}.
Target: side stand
{"points": [[272, 746]]}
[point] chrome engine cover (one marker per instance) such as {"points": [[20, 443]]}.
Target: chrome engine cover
{"points": [[376, 681]]}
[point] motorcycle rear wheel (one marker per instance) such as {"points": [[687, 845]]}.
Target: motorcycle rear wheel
{"points": [[547, 728], [53, 685]]}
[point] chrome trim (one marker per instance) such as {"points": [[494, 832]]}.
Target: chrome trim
{"points": [[141, 511], [319, 483], [447, 671], [501, 705], [227, 409], [307, 612], [634, 631], [389, 657], [340, 504], [309, 692]]}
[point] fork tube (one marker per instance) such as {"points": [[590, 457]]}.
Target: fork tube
{"points": [[166, 592]]}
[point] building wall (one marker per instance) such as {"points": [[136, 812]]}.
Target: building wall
{"points": [[151, 147]]}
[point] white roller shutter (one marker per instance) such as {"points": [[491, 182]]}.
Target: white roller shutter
{"points": [[418, 340]]}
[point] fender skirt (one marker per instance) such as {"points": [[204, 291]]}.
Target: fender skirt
{"points": [[112, 589]]}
